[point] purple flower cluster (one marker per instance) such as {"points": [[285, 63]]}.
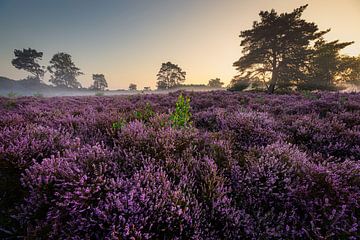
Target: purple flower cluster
{"points": [[251, 166]]}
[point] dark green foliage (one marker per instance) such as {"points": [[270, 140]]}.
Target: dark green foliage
{"points": [[350, 69], [324, 66], [283, 51], [119, 124], [64, 71], [26, 59], [170, 75], [132, 87], [144, 114], [99, 82], [239, 85], [215, 83]]}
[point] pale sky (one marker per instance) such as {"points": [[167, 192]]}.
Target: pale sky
{"points": [[128, 40]]}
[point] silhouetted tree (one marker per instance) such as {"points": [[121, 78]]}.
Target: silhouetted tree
{"points": [[147, 88], [350, 70], [64, 71], [132, 87], [324, 66], [278, 48], [170, 75], [215, 83], [27, 59], [99, 82]]}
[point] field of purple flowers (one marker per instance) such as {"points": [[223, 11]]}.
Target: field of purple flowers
{"points": [[245, 166]]}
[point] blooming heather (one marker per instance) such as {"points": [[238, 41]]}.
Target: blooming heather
{"points": [[250, 166]]}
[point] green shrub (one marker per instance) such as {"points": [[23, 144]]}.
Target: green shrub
{"points": [[119, 124], [144, 114], [181, 116]]}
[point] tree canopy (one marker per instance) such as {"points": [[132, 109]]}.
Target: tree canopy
{"points": [[350, 70], [325, 66], [277, 48], [64, 71], [100, 82], [215, 83], [170, 75], [27, 59], [132, 87]]}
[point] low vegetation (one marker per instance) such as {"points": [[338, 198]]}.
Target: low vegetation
{"points": [[214, 165]]}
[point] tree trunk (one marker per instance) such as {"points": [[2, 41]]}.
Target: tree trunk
{"points": [[271, 88], [273, 81], [274, 75]]}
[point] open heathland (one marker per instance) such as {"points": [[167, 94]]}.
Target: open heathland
{"points": [[210, 165]]}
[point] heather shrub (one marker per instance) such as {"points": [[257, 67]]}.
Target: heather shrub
{"points": [[265, 189], [20, 145], [331, 202], [288, 196], [329, 137], [145, 113], [251, 166], [160, 120], [209, 120], [249, 129], [93, 193]]}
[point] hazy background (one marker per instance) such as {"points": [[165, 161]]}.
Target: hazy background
{"points": [[128, 40]]}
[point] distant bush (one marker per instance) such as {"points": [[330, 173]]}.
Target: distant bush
{"points": [[99, 94], [12, 95], [311, 86], [38, 95], [239, 85]]}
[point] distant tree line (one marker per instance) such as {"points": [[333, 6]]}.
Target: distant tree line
{"points": [[283, 51], [280, 52], [62, 69]]}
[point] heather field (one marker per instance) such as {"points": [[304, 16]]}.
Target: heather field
{"points": [[213, 165]]}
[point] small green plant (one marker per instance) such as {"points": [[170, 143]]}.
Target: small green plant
{"points": [[12, 95], [119, 124], [181, 116], [99, 94], [144, 114]]}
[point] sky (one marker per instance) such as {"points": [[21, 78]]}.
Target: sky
{"points": [[127, 40]]}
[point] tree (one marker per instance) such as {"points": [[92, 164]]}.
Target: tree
{"points": [[325, 66], [215, 83], [132, 87], [278, 48], [99, 82], [27, 59], [170, 75], [350, 70], [64, 71]]}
